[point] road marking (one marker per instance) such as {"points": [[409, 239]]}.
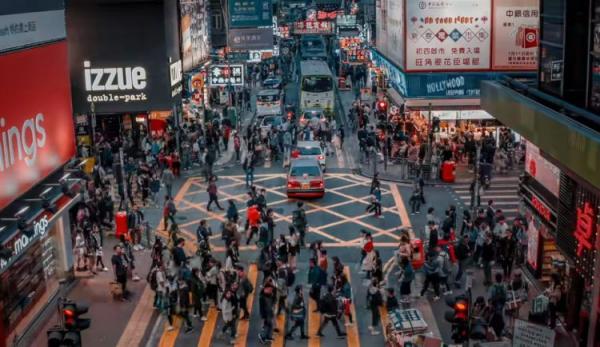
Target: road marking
{"points": [[314, 320], [168, 338], [140, 318], [209, 327], [279, 339], [352, 330], [402, 212], [243, 325], [384, 320]]}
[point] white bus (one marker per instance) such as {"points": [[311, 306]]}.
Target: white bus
{"points": [[316, 86], [269, 103]]}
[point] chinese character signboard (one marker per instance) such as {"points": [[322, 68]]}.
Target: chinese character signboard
{"points": [[251, 38], [250, 13], [390, 30], [585, 228], [226, 75], [577, 230], [448, 35], [314, 27], [516, 34]]}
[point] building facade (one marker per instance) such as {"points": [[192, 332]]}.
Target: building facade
{"points": [[557, 113]]}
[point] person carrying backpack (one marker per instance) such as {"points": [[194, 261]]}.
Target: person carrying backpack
{"points": [[498, 296]]}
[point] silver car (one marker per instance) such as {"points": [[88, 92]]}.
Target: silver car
{"points": [[305, 179], [309, 150]]}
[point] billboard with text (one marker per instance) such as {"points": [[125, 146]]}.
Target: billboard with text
{"points": [[516, 34], [448, 35], [36, 120]]}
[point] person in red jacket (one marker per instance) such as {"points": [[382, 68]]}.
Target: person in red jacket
{"points": [[253, 216]]}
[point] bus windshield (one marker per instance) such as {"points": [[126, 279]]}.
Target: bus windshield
{"points": [[267, 98], [317, 84]]}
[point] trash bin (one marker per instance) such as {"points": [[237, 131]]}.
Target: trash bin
{"points": [[447, 173], [121, 223]]}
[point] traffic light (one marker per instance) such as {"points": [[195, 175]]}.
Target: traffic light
{"points": [[435, 125], [59, 337], [459, 316], [382, 106], [71, 312]]}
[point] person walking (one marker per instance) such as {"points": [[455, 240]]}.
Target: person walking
{"points": [[463, 253], [246, 288], [198, 289], [229, 312], [488, 255], [184, 304], [232, 211], [375, 300], [167, 179], [328, 308], [120, 270], [430, 268], [299, 222], [297, 314], [212, 193], [266, 303], [248, 167], [408, 276], [169, 211], [415, 202]]}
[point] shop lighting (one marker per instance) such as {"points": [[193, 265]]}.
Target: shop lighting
{"points": [[65, 177], [22, 211], [2, 228], [46, 192]]}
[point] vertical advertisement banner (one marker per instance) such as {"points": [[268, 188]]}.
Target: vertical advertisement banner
{"points": [[516, 34], [448, 35], [194, 33], [390, 30]]}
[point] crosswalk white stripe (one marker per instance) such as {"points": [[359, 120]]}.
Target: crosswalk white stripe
{"points": [[513, 189], [493, 186], [494, 179]]}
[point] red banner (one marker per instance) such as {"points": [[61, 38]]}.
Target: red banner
{"points": [[36, 122]]}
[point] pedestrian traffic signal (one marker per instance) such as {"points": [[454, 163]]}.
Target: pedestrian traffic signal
{"points": [[459, 316], [59, 337], [435, 125], [71, 312], [382, 106]]}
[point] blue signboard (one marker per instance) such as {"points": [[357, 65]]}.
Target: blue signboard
{"points": [[435, 84], [250, 13]]}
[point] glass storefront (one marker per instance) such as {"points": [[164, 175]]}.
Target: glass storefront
{"points": [[31, 281]]}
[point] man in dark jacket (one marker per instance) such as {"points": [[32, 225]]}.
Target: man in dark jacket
{"points": [[266, 302], [328, 308], [462, 252], [488, 255], [297, 314]]}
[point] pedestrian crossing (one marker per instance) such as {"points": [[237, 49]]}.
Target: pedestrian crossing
{"points": [[208, 332], [504, 191]]}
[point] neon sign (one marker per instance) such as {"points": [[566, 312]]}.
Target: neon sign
{"points": [[585, 228]]}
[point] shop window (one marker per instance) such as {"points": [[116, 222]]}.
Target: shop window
{"points": [[217, 22], [594, 92], [551, 69]]}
